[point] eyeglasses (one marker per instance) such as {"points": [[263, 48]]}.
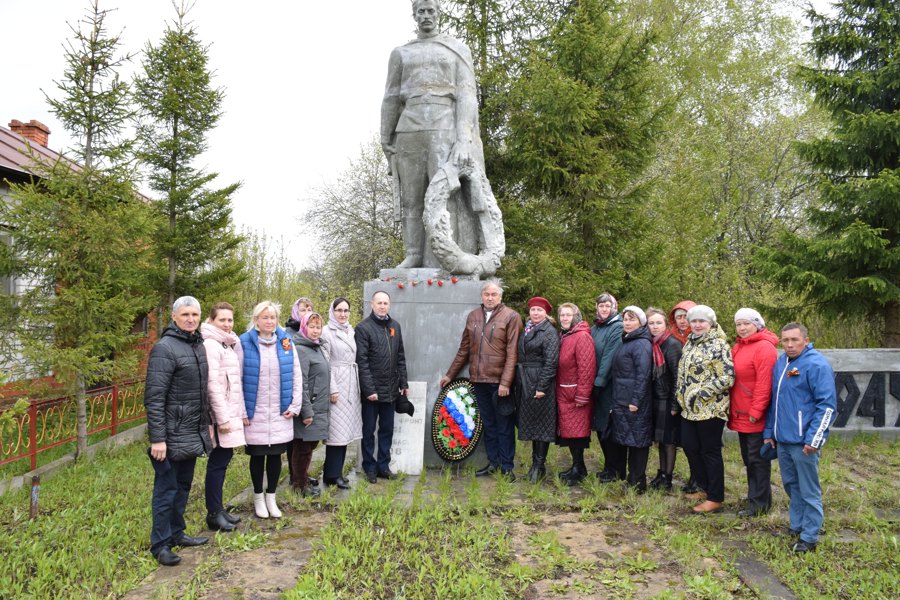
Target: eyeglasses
{"points": [[342, 310]]}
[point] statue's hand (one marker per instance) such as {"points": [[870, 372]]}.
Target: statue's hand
{"points": [[389, 151], [462, 155]]}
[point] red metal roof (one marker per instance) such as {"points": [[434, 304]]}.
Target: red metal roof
{"points": [[14, 153]]}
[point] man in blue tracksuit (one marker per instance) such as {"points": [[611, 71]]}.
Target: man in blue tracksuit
{"points": [[804, 404]]}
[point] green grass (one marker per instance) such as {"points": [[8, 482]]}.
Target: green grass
{"points": [[92, 537]]}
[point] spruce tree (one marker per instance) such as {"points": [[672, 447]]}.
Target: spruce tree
{"points": [[848, 262], [178, 107], [81, 233]]}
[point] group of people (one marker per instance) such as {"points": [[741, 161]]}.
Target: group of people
{"points": [[643, 377], [272, 390], [635, 377]]}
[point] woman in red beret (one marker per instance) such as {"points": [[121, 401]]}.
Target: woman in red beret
{"points": [[536, 384]]}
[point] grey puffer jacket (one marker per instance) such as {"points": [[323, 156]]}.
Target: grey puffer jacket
{"points": [[316, 389], [175, 394]]}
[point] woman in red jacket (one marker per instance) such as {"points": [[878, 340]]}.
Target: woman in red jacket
{"points": [[574, 382], [754, 357]]}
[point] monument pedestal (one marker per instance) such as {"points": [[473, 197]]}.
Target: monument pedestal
{"points": [[432, 317]]}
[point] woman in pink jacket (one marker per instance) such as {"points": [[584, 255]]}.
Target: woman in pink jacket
{"points": [[754, 357], [226, 407], [273, 394]]}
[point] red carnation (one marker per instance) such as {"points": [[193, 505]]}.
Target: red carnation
{"points": [[452, 444]]}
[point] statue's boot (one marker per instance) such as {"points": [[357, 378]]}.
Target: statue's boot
{"points": [[414, 242]]}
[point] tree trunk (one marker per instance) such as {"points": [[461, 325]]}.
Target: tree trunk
{"points": [[891, 325], [81, 419]]}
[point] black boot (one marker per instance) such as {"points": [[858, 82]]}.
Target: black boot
{"points": [[579, 470], [666, 484], [657, 481], [690, 487], [218, 522], [539, 459]]}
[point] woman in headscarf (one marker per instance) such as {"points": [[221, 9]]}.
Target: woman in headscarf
{"points": [[226, 408], [678, 323], [607, 335], [345, 423], [632, 412], [311, 426], [302, 306], [273, 395], [667, 422], [574, 382], [536, 385], [754, 355], [705, 377]]}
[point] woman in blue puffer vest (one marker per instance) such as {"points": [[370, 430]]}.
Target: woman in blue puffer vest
{"points": [[273, 393]]}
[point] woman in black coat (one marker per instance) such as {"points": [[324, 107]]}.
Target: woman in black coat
{"points": [[632, 411], [536, 384], [666, 412]]}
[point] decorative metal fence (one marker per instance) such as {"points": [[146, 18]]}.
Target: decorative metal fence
{"points": [[53, 422]]}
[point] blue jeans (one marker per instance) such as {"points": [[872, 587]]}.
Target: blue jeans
{"points": [[800, 477], [499, 431], [171, 487], [382, 414]]}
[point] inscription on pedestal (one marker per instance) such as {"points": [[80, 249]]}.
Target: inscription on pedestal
{"points": [[407, 451]]}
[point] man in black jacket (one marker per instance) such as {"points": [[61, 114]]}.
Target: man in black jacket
{"points": [[382, 381], [175, 395]]}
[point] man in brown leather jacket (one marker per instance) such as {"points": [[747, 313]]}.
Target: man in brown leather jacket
{"points": [[488, 345]]}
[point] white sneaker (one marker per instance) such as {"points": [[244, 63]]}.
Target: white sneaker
{"points": [[259, 505], [273, 508]]}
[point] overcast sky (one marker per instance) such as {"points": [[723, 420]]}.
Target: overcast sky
{"points": [[303, 83]]}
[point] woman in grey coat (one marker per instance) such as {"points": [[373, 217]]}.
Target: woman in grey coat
{"points": [[311, 426], [345, 422]]}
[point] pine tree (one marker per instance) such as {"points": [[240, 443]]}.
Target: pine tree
{"points": [[849, 261], [178, 108], [81, 232]]}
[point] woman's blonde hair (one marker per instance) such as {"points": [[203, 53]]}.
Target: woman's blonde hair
{"points": [[260, 309]]}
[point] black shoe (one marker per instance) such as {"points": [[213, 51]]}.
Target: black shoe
{"points": [[657, 481], [802, 547], [340, 483], [567, 473], [690, 487], [575, 477], [186, 541], [371, 478], [486, 470], [310, 492], [167, 558], [752, 512], [312, 480], [387, 474], [508, 473], [233, 519], [218, 522], [608, 477]]}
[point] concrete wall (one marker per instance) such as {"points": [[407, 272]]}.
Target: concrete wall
{"points": [[868, 386]]}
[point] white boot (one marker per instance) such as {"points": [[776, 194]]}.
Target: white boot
{"points": [[259, 504], [273, 508]]}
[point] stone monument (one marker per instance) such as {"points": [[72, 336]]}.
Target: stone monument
{"points": [[430, 136], [452, 227]]}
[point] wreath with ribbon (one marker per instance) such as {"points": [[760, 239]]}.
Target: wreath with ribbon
{"points": [[455, 421]]}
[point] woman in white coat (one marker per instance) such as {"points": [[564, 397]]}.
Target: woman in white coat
{"points": [[226, 408], [345, 424]]}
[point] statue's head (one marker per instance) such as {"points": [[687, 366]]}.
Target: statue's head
{"points": [[427, 14]]}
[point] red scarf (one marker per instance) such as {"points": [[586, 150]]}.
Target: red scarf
{"points": [[659, 359]]}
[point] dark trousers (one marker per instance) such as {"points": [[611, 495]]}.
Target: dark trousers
{"points": [[334, 462], [268, 464], [614, 456], [300, 457], [637, 464], [382, 415], [499, 430], [702, 443], [215, 478], [759, 472], [171, 486]]}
